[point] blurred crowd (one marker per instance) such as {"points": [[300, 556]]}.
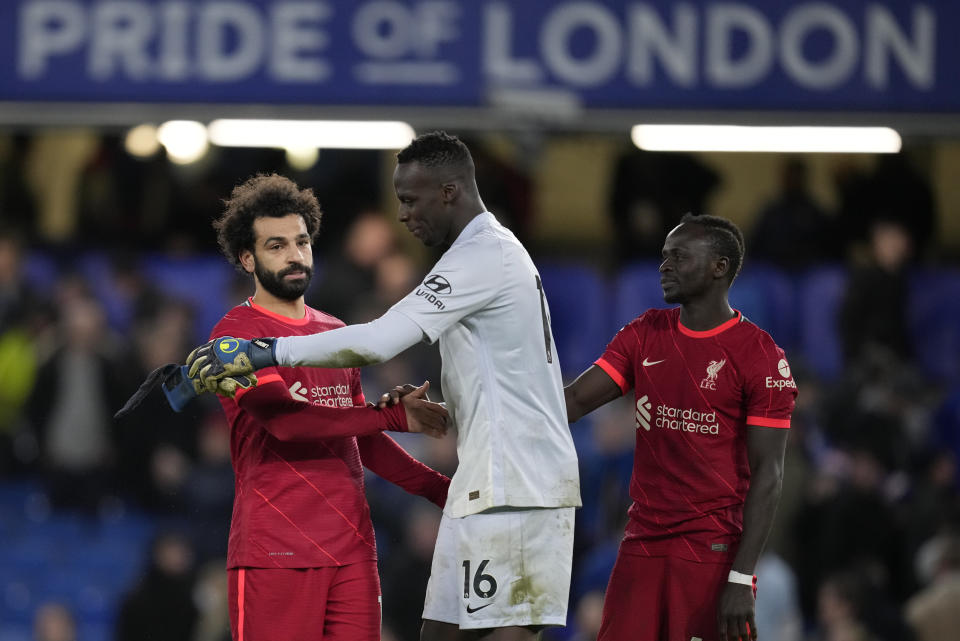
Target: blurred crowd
{"points": [[866, 543]]}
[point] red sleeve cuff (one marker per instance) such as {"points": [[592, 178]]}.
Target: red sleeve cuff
{"points": [[763, 421], [612, 372]]}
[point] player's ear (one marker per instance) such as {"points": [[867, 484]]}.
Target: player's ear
{"points": [[449, 192], [721, 267], [247, 260]]}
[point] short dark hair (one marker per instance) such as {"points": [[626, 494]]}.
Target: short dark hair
{"points": [[725, 238], [436, 149], [262, 195]]}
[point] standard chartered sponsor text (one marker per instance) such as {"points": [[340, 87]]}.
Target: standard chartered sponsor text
{"points": [[332, 395], [687, 420]]}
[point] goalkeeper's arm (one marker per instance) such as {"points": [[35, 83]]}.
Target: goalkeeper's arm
{"points": [[351, 346]]}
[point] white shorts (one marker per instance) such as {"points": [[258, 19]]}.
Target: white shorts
{"points": [[500, 568]]}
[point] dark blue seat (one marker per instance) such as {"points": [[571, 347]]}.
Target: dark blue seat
{"points": [[820, 294], [767, 297], [579, 305], [10, 631], [636, 289], [933, 320], [202, 281], [40, 270]]}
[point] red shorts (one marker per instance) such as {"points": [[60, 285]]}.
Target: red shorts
{"points": [[662, 599], [333, 604]]}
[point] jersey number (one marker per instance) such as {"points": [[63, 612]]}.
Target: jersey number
{"points": [[546, 323], [479, 580]]}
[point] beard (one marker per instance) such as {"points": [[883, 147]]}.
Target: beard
{"points": [[274, 283]]}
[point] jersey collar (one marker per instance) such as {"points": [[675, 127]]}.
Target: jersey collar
{"points": [[707, 333], [479, 222], [276, 316]]}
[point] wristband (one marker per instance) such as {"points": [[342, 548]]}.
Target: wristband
{"points": [[740, 577], [263, 352]]}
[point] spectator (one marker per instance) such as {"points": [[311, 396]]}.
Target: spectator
{"points": [[873, 311], [369, 240], [208, 489], [854, 527], [19, 320], [158, 445], [71, 406], [587, 616], [211, 596], [839, 602], [793, 231], [18, 208], [649, 194], [405, 574], [161, 607], [778, 603], [934, 612], [54, 622]]}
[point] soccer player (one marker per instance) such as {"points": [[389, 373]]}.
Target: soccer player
{"points": [[501, 566], [301, 559], [713, 397]]}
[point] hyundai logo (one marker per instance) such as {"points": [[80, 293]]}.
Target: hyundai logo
{"points": [[437, 284]]}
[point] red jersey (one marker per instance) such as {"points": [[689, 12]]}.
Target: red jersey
{"points": [[298, 442], [695, 394]]}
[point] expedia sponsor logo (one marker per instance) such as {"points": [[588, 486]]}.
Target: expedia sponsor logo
{"points": [[780, 383], [785, 381], [687, 420], [437, 284], [430, 297]]}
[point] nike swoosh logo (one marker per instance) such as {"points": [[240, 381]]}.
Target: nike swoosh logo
{"points": [[472, 610], [647, 363]]}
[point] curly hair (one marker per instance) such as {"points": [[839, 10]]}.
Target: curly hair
{"points": [[262, 195], [436, 149], [725, 238]]}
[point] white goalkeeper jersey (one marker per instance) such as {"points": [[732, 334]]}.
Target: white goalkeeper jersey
{"points": [[484, 302]]}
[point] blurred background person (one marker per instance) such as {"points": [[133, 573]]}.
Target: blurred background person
{"points": [[54, 622], [793, 231]]}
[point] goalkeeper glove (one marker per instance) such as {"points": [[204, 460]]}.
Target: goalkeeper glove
{"points": [[180, 389], [228, 357]]}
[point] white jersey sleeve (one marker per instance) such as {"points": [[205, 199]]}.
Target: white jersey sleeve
{"points": [[461, 283], [350, 346]]}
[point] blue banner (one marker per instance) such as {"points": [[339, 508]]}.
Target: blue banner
{"points": [[843, 55]]}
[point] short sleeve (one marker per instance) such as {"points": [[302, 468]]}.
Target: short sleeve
{"points": [[770, 389], [617, 359], [463, 281]]}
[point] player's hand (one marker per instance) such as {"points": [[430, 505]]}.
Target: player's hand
{"points": [[735, 614], [424, 416], [393, 397], [227, 356]]}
